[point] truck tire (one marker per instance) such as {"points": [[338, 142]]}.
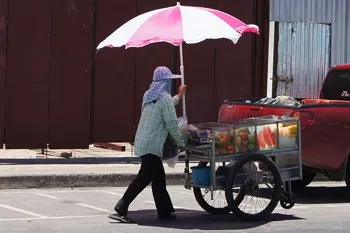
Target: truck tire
{"points": [[308, 177], [347, 175]]}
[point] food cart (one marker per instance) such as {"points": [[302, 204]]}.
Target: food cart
{"points": [[246, 166]]}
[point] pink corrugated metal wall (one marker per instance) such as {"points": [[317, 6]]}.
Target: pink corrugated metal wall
{"points": [[27, 76], [70, 73], [3, 42], [54, 89], [114, 76]]}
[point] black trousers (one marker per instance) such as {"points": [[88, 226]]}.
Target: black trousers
{"points": [[151, 170]]}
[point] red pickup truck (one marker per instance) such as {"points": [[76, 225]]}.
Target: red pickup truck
{"points": [[325, 125]]}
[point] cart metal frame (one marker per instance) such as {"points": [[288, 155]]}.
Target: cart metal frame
{"points": [[196, 153]]}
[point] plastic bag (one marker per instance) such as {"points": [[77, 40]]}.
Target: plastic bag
{"points": [[280, 100], [172, 156], [171, 162], [286, 101], [267, 100], [183, 122]]}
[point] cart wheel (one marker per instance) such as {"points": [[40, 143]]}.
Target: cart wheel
{"points": [[287, 201], [203, 196], [253, 187]]}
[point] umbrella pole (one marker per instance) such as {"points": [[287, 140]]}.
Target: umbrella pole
{"points": [[182, 70]]}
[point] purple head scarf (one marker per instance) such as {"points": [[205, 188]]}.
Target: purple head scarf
{"points": [[160, 86]]}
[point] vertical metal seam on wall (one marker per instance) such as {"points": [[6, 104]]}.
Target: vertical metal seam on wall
{"points": [[330, 44], [6, 55], [264, 59], [93, 70], [49, 81], [275, 60], [253, 52], [215, 78], [135, 66], [215, 84], [346, 28]]}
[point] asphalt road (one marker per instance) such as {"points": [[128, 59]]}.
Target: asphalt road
{"points": [[323, 207]]}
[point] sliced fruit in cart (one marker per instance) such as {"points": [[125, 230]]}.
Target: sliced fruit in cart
{"points": [[251, 139], [242, 130], [288, 136], [269, 136], [266, 138], [245, 142], [261, 140], [288, 131], [244, 136], [244, 149], [251, 147], [229, 149], [223, 151], [238, 140]]}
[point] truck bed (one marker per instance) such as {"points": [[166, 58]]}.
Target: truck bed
{"points": [[325, 126], [233, 109]]}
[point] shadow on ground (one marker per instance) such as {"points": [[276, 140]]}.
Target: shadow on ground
{"points": [[192, 219], [323, 195]]}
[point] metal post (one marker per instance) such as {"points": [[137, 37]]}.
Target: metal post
{"points": [[300, 151], [212, 169], [187, 170], [182, 70]]}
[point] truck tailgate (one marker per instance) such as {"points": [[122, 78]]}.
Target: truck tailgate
{"points": [[237, 110]]}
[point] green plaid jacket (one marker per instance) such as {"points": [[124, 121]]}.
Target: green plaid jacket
{"points": [[157, 120]]}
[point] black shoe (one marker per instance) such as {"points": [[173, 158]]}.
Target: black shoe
{"points": [[120, 218], [120, 209], [168, 217]]}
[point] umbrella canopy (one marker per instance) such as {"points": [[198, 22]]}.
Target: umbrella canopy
{"points": [[176, 25]]}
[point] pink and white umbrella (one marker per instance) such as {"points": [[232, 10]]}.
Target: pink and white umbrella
{"points": [[176, 25]]}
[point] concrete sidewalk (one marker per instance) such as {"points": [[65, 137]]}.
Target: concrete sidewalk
{"points": [[91, 167], [85, 168]]}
